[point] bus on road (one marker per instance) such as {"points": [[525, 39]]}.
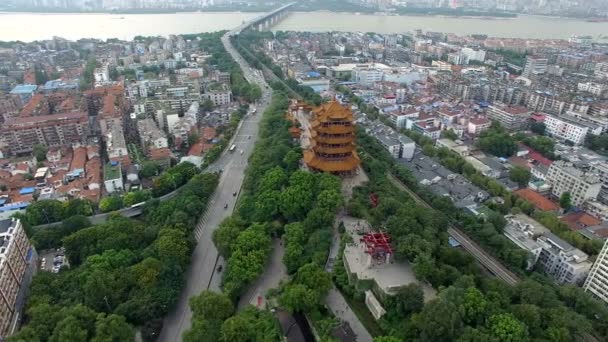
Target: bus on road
{"points": [[232, 148]]}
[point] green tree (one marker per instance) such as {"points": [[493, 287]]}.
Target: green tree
{"points": [[449, 134], [40, 152], [149, 169], [386, 339], [41, 76], [204, 330], [506, 327], [207, 105], [438, 321], [44, 211], [428, 150], [408, 300], [134, 197], [69, 329], [298, 298], [315, 278], [110, 203], [538, 128], [520, 175], [226, 235], [475, 305], [565, 200], [112, 328], [211, 306], [77, 206], [171, 245], [251, 324], [497, 142]]}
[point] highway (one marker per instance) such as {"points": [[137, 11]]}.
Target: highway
{"points": [[202, 273], [469, 245]]}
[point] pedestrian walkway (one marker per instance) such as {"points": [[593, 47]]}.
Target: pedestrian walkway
{"points": [[339, 307]]}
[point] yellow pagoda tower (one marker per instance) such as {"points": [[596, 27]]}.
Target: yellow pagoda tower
{"points": [[332, 143]]}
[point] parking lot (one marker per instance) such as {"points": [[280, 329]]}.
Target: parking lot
{"points": [[50, 258]]}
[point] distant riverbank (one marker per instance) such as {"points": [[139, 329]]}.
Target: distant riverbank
{"points": [[262, 8], [39, 26], [522, 26]]}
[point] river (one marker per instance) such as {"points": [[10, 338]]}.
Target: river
{"points": [[37, 26]]}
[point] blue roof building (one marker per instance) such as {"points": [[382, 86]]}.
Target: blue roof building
{"points": [[26, 191], [25, 91], [55, 85]]}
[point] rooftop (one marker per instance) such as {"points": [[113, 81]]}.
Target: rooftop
{"points": [[24, 89], [112, 171], [540, 202]]}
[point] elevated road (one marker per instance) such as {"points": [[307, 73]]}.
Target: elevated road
{"points": [[202, 273], [489, 262]]}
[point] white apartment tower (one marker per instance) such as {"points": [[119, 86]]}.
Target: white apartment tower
{"points": [[597, 281], [535, 66], [582, 186], [14, 248]]}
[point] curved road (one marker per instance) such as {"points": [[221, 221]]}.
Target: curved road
{"points": [[202, 274]]}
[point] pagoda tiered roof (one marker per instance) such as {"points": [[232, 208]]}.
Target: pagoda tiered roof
{"points": [[332, 140]]}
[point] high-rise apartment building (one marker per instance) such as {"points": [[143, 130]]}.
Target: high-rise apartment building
{"points": [[582, 186], [535, 65], [597, 281], [14, 248]]}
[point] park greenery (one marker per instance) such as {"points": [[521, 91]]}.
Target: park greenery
{"points": [[214, 320], [470, 306], [123, 273], [70, 215]]}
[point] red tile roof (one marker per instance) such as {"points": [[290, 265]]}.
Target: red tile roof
{"points": [[79, 159], [540, 202], [578, 221], [536, 156]]}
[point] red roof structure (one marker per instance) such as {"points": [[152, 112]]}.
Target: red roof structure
{"points": [[540, 202], [378, 245]]}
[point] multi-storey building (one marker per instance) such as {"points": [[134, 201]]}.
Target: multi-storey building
{"points": [[150, 135], [399, 119], [601, 70], [219, 97], [569, 129], [9, 106], [597, 89], [582, 186], [512, 118], [367, 75], [535, 66], [597, 281], [332, 140], [596, 209], [14, 248], [478, 124], [557, 258], [109, 115], [601, 169], [546, 103], [22, 133]]}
